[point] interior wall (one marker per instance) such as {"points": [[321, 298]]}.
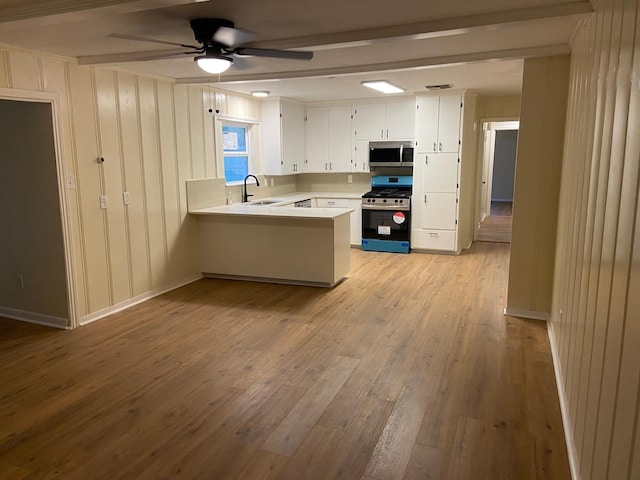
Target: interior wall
{"points": [[504, 165], [537, 185], [506, 106], [154, 135], [32, 266], [595, 321]]}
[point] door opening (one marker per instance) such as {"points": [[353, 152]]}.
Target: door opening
{"points": [[498, 157]]}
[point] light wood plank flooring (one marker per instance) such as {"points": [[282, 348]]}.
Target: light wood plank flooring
{"points": [[406, 370], [496, 227]]}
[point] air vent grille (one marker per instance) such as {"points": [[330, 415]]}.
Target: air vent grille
{"points": [[444, 86]]}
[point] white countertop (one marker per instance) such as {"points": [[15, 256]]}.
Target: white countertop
{"points": [[278, 208]]}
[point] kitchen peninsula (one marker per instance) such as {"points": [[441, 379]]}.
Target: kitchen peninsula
{"points": [[280, 244]]}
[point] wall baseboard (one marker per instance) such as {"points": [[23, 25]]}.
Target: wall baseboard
{"points": [[33, 317], [531, 314], [564, 407], [92, 317]]}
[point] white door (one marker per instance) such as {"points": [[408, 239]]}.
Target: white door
{"points": [[317, 144], [340, 139], [487, 169], [370, 121], [449, 123], [439, 211], [427, 124], [440, 172], [400, 120]]}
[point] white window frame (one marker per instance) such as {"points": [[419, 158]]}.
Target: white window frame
{"points": [[251, 126]]}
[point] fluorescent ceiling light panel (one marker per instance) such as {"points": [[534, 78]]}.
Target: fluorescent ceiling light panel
{"points": [[260, 93], [382, 86]]}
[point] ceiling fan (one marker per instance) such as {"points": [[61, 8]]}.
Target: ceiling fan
{"points": [[220, 41]]}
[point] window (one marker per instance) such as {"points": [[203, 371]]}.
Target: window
{"points": [[236, 152]]}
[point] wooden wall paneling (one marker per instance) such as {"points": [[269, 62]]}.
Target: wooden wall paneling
{"points": [[630, 349], [89, 188], [170, 177], [187, 256], [582, 237], [110, 149], [209, 144], [133, 182], [151, 162], [608, 199], [5, 69], [25, 71], [619, 221], [196, 132]]}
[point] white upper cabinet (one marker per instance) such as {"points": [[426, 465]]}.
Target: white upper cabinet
{"points": [[282, 137], [438, 123], [390, 121], [329, 139]]}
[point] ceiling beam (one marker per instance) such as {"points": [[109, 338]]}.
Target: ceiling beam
{"points": [[430, 28], [509, 54]]}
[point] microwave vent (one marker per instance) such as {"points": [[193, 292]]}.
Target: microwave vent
{"points": [[444, 86]]}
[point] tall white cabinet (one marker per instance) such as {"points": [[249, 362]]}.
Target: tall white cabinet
{"points": [[441, 168], [282, 137]]}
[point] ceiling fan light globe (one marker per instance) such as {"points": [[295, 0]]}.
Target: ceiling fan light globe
{"points": [[213, 65]]}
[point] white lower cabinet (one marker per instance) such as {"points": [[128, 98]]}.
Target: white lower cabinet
{"points": [[355, 218], [434, 239], [438, 211]]}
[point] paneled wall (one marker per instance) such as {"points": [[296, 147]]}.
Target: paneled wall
{"points": [[595, 321], [498, 106], [154, 135]]}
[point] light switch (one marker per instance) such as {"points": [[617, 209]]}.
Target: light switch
{"points": [[349, 178], [104, 203], [125, 198], [71, 182]]}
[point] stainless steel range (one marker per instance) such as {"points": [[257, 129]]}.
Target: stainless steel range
{"points": [[386, 214]]}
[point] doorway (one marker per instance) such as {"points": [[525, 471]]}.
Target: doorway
{"points": [[35, 279], [498, 154]]}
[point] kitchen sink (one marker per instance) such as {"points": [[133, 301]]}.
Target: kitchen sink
{"points": [[265, 202]]}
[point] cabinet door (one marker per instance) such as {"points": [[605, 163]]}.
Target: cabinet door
{"points": [[340, 139], [400, 120], [449, 123], [361, 156], [438, 211], [317, 141], [440, 171], [427, 124], [370, 121], [292, 124]]}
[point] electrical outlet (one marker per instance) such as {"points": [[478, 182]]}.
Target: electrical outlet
{"points": [[272, 182], [71, 182], [349, 178], [125, 198], [104, 203]]}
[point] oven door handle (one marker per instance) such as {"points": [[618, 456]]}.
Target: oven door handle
{"points": [[400, 208]]}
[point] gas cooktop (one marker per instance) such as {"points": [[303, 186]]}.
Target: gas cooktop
{"points": [[388, 193]]}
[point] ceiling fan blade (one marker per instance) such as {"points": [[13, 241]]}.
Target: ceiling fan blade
{"points": [[230, 37], [268, 52], [131, 57], [124, 36]]}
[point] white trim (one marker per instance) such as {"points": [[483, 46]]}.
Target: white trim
{"points": [[92, 317], [531, 314], [564, 407], [65, 215], [33, 317]]}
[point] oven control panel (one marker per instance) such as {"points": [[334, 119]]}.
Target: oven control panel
{"points": [[386, 203]]}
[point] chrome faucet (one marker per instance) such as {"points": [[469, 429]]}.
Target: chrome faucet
{"points": [[245, 195]]}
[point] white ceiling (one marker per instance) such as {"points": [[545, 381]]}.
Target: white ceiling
{"points": [[412, 43]]}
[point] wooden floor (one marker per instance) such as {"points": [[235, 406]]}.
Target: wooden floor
{"points": [[496, 227], [406, 370]]}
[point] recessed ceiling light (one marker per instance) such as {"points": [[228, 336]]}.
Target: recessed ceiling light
{"points": [[260, 93], [382, 86]]}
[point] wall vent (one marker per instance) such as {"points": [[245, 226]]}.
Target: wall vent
{"points": [[444, 86]]}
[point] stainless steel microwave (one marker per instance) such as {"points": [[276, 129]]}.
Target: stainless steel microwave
{"points": [[390, 154]]}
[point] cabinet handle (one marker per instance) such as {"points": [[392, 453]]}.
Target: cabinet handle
{"points": [[434, 147], [426, 160], [440, 145], [433, 234], [425, 198], [387, 133], [382, 133], [330, 166], [325, 165]]}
